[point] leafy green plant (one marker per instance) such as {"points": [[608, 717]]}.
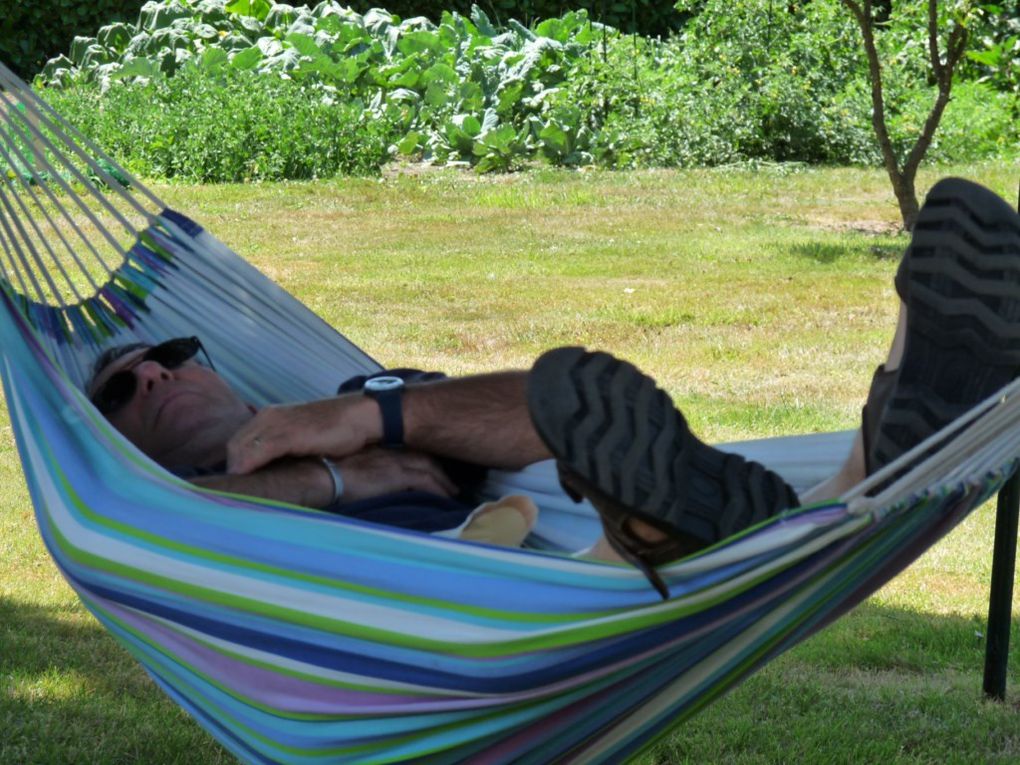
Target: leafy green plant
{"points": [[742, 82], [995, 59], [433, 80], [229, 127], [645, 17], [760, 81]]}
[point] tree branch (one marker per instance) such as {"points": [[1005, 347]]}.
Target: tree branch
{"points": [[855, 9], [933, 39], [956, 46], [863, 16]]}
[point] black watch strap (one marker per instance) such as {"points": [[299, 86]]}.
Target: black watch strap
{"points": [[390, 406], [388, 393]]}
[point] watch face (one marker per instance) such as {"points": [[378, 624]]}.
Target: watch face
{"points": [[381, 384]]}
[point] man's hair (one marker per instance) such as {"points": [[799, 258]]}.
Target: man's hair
{"points": [[109, 356]]}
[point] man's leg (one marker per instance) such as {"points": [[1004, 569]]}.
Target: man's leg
{"points": [[619, 441], [959, 283], [854, 470]]}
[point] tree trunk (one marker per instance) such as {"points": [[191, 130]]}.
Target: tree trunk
{"points": [[906, 197], [902, 179]]}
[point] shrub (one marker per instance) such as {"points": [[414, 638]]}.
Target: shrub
{"points": [[995, 59], [235, 126], [747, 82], [741, 82], [979, 123], [463, 90]]}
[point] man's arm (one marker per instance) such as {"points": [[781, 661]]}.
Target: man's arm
{"points": [[482, 419], [306, 481], [296, 481]]}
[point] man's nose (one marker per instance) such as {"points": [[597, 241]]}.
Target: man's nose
{"points": [[150, 373]]}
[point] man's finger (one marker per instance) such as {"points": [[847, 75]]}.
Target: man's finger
{"points": [[428, 464], [435, 468], [246, 456], [437, 476], [253, 446], [427, 482], [447, 482]]}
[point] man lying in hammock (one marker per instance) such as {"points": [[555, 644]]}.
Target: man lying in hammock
{"points": [[617, 438], [181, 413]]}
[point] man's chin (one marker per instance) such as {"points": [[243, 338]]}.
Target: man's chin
{"points": [[190, 436], [192, 447]]}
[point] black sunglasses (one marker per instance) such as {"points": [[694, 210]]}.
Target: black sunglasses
{"points": [[116, 392]]}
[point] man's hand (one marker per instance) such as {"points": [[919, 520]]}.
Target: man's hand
{"points": [[384, 471], [335, 427]]}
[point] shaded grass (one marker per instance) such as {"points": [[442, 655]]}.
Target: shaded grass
{"points": [[761, 300]]}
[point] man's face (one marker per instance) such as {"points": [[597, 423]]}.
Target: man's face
{"points": [[179, 417]]}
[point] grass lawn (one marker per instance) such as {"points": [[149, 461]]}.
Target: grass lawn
{"points": [[761, 300]]}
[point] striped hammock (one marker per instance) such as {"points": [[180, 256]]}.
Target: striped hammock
{"points": [[297, 636]]}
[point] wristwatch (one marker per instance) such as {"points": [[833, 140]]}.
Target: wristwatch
{"points": [[388, 393]]}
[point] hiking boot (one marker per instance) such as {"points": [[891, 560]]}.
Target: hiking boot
{"points": [[619, 441], [960, 282]]}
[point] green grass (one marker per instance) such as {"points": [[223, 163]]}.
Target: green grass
{"points": [[761, 300]]}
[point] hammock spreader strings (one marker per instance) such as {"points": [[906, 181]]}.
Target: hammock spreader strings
{"points": [[39, 170], [984, 439], [109, 305], [41, 113], [28, 230], [263, 334]]}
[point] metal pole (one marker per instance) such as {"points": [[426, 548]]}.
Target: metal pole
{"points": [[1000, 599]]}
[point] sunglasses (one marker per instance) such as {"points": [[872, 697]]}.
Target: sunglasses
{"points": [[117, 391]]}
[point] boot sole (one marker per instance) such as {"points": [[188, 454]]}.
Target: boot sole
{"points": [[609, 423], [962, 285]]}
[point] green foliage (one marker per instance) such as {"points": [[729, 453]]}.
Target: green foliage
{"points": [[981, 117], [979, 122], [743, 81], [32, 32], [235, 126], [995, 58], [460, 91], [754, 81]]}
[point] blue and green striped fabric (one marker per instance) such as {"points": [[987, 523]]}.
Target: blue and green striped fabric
{"points": [[296, 636]]}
